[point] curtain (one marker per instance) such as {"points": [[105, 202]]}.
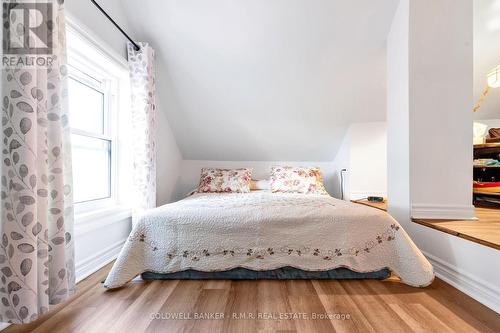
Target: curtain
{"points": [[36, 246], [141, 64]]}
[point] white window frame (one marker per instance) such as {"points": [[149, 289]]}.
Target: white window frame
{"points": [[89, 59], [108, 88]]}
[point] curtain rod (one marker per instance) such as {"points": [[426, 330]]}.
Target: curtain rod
{"points": [[136, 47]]}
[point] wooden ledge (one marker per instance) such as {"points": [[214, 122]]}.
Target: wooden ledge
{"points": [[485, 231], [378, 205]]}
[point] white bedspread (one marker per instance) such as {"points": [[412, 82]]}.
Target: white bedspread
{"points": [[262, 231]]}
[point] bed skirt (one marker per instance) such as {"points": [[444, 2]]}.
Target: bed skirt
{"points": [[285, 273]]}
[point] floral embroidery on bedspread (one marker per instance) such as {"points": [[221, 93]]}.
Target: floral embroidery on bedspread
{"points": [[261, 253]]}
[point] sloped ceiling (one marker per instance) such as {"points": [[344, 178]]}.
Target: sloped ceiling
{"points": [[486, 54], [266, 79]]}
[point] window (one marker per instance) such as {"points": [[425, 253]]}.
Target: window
{"points": [[98, 97], [91, 137]]}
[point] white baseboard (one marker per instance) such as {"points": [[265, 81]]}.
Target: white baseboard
{"points": [[442, 212], [91, 265], [482, 291]]}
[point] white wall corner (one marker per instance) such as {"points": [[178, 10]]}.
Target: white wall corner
{"points": [[443, 212], [473, 286]]}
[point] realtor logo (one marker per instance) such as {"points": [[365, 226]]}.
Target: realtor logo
{"points": [[28, 29]]}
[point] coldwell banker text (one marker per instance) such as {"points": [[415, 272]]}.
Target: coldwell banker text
{"points": [[249, 316], [27, 36]]}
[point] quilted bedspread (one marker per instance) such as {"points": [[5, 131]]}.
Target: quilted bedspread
{"points": [[262, 231]]}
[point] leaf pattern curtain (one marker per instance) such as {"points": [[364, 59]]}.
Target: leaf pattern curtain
{"points": [[36, 245], [141, 64]]}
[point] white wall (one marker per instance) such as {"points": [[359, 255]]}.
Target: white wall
{"points": [[368, 160], [89, 15], [441, 76], [470, 267], [429, 62], [363, 153], [342, 161], [190, 175], [486, 54], [398, 126], [168, 159], [267, 80], [98, 240]]}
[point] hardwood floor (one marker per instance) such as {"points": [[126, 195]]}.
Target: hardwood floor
{"points": [[485, 231], [373, 306]]}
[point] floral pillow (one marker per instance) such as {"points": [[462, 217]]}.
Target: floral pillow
{"points": [[225, 180], [297, 180]]}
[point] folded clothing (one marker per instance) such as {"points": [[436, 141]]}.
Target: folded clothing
{"points": [[490, 187], [486, 162]]}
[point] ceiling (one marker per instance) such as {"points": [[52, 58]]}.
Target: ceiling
{"points": [[266, 79], [486, 54]]}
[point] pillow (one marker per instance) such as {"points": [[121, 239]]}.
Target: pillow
{"points": [[259, 184], [297, 180], [225, 180]]}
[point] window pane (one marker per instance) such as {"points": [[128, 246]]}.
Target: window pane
{"points": [[91, 168], [86, 107]]}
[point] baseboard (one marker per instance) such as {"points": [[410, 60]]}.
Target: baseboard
{"points": [[482, 291], [91, 265], [442, 212]]}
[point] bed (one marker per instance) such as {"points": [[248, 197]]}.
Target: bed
{"points": [[263, 231]]}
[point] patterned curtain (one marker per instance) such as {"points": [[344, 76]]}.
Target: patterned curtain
{"points": [[36, 246], [141, 64]]}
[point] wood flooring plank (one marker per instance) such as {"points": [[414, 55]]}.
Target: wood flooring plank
{"points": [[419, 319], [381, 317], [242, 301], [211, 302], [304, 299], [180, 302], [272, 300], [336, 300], [152, 299]]}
